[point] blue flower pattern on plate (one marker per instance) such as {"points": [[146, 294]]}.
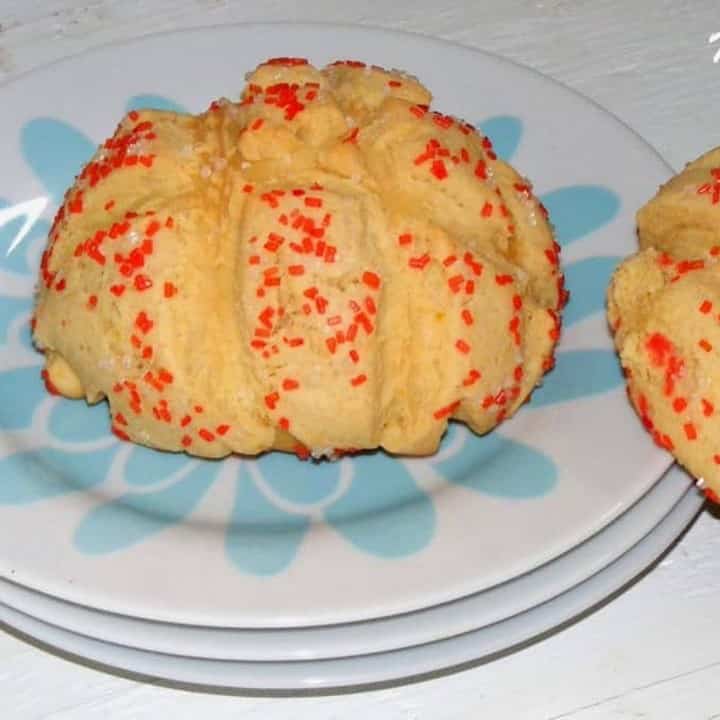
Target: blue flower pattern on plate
{"points": [[373, 501]]}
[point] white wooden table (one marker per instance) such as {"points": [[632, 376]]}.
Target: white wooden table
{"points": [[651, 653]]}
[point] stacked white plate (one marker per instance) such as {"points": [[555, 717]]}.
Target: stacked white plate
{"points": [[276, 574]]}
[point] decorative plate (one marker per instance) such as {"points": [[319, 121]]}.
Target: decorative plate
{"points": [[274, 542]]}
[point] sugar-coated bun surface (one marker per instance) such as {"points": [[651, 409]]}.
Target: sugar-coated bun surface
{"points": [[325, 264], [664, 308]]}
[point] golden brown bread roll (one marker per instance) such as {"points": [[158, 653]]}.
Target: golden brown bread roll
{"points": [[664, 307], [326, 264]]}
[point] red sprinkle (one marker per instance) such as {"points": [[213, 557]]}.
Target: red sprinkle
{"points": [[120, 433], [687, 265], [709, 493], [658, 347], [274, 242], [165, 376], [301, 451], [321, 304], [290, 384], [143, 322], [206, 435], [362, 319], [49, 385], [438, 169], [142, 282], [76, 204], [270, 199], [358, 380], [446, 411], [503, 279], [462, 346], [690, 431], [456, 282], [443, 121], [679, 404], [467, 317], [371, 279], [330, 251], [265, 317], [706, 307], [420, 262]]}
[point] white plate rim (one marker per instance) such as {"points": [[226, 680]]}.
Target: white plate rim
{"points": [[363, 672], [488, 607]]}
